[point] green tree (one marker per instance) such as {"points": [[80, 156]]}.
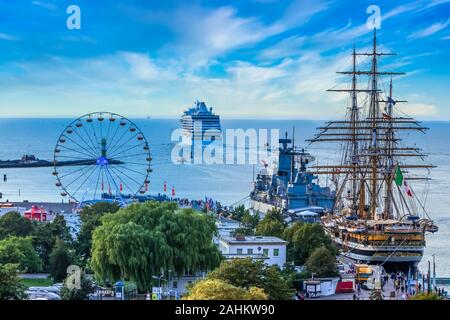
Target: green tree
{"points": [[86, 288], [60, 259], [248, 224], [238, 212], [272, 224], [10, 286], [322, 263], [303, 239], [140, 240], [20, 251], [90, 217], [213, 289], [249, 220], [246, 273], [45, 235], [13, 224]]}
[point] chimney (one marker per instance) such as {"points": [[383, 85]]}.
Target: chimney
{"points": [[240, 237]]}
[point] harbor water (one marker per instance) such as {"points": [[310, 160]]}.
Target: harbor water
{"points": [[227, 183]]}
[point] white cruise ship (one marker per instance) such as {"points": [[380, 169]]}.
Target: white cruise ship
{"points": [[200, 124]]}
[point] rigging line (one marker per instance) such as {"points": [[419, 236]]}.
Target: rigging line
{"points": [[90, 139], [118, 151], [420, 203], [403, 198], [84, 148], [121, 137], [395, 250], [76, 151], [72, 172], [92, 146], [81, 175], [112, 151], [139, 183]]}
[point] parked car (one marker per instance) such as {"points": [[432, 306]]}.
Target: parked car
{"points": [[41, 293]]}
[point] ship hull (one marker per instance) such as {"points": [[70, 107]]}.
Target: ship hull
{"points": [[392, 258], [261, 207]]}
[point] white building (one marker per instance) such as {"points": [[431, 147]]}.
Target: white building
{"points": [[271, 249], [226, 226]]}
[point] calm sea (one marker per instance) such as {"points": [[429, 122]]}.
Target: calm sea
{"points": [[226, 183]]}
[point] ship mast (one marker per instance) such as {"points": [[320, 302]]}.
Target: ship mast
{"points": [[372, 148]]}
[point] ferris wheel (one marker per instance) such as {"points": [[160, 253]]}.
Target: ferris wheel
{"points": [[102, 155]]}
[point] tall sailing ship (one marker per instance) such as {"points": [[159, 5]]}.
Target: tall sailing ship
{"points": [[378, 218]]}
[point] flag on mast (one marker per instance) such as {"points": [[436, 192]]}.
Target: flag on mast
{"points": [[398, 176], [407, 189], [165, 186]]}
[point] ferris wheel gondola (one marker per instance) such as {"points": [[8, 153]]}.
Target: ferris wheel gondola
{"points": [[102, 157]]}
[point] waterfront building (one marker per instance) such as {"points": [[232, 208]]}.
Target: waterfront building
{"points": [[271, 249]]}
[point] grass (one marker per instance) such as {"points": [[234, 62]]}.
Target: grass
{"points": [[37, 282]]}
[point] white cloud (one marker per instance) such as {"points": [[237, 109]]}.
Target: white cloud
{"points": [[430, 30], [419, 109], [205, 34]]}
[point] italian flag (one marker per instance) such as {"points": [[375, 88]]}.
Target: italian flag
{"points": [[399, 181], [398, 176], [407, 189]]}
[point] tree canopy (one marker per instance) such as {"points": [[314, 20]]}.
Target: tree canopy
{"points": [[60, 259], [10, 286], [246, 273], [45, 235], [90, 217], [139, 241], [20, 251], [303, 239], [238, 212], [322, 263], [271, 225], [13, 224], [213, 289]]}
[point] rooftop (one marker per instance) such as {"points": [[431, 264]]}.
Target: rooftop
{"points": [[252, 239]]}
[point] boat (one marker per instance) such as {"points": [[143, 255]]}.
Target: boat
{"points": [[377, 217], [200, 125], [284, 184]]}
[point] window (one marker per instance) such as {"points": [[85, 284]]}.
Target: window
{"points": [[250, 251], [239, 251], [175, 284], [276, 252], [266, 252]]}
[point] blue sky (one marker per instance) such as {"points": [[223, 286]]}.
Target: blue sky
{"points": [[249, 59]]}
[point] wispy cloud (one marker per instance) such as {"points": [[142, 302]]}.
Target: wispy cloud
{"points": [[430, 30], [8, 37], [46, 5], [204, 34]]}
